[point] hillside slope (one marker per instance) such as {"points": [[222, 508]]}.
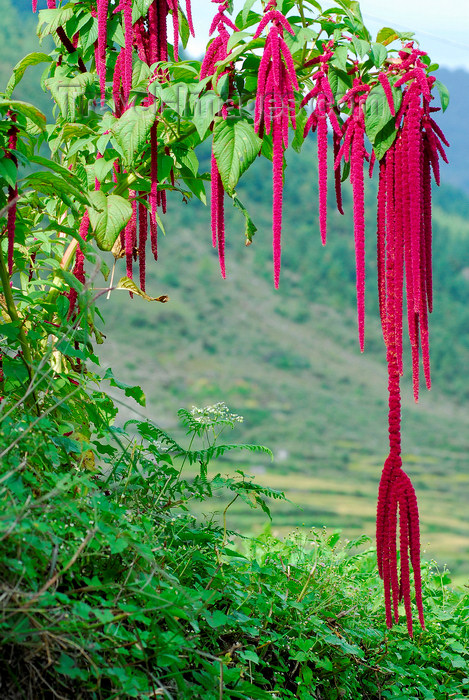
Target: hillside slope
{"points": [[289, 361]]}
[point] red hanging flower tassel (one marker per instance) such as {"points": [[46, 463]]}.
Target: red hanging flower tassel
{"points": [[218, 51], [404, 249], [275, 107]]}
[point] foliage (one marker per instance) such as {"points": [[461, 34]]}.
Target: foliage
{"points": [[111, 588]]}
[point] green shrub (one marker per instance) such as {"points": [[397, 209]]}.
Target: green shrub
{"points": [[112, 589]]}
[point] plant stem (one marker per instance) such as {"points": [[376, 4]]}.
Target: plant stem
{"points": [[13, 314]]}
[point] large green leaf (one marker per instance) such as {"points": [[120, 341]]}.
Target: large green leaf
{"points": [[378, 54], [235, 145], [108, 216], [131, 131], [68, 176], [27, 110], [50, 20], [386, 36], [52, 184], [66, 91], [32, 59], [205, 110], [140, 8]]}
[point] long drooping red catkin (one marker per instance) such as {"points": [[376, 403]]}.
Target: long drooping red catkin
{"points": [[79, 267], [353, 150], [274, 110], [214, 198], [102, 45], [404, 243], [218, 51], [317, 121], [380, 243], [130, 235]]}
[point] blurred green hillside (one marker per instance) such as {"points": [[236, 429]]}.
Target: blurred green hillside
{"points": [[288, 360]]}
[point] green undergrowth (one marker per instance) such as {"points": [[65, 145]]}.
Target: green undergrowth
{"points": [[111, 588]]}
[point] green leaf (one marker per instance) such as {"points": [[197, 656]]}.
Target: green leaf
{"points": [[378, 54], [130, 286], [139, 9], [379, 122], [103, 167], [52, 19], [32, 59], [197, 187], [108, 216], [250, 227], [8, 171], [184, 31], [339, 59], [52, 184], [66, 91], [131, 132], [56, 167], [386, 36], [339, 81], [235, 145], [205, 110], [298, 138], [186, 156], [175, 96], [247, 6], [444, 94], [217, 618], [361, 47], [134, 392], [249, 655], [27, 110]]}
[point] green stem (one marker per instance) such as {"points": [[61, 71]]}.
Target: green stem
{"points": [[13, 314]]}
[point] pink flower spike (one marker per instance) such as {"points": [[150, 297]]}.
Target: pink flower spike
{"points": [[102, 43], [271, 16], [214, 199], [175, 31], [34, 6], [130, 232], [126, 6], [221, 225], [277, 173], [383, 79], [357, 178], [189, 17], [142, 239], [322, 179]]}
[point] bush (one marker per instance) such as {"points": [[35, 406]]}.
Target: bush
{"points": [[112, 589]]}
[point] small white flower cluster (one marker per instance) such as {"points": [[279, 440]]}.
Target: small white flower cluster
{"points": [[218, 413]]}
